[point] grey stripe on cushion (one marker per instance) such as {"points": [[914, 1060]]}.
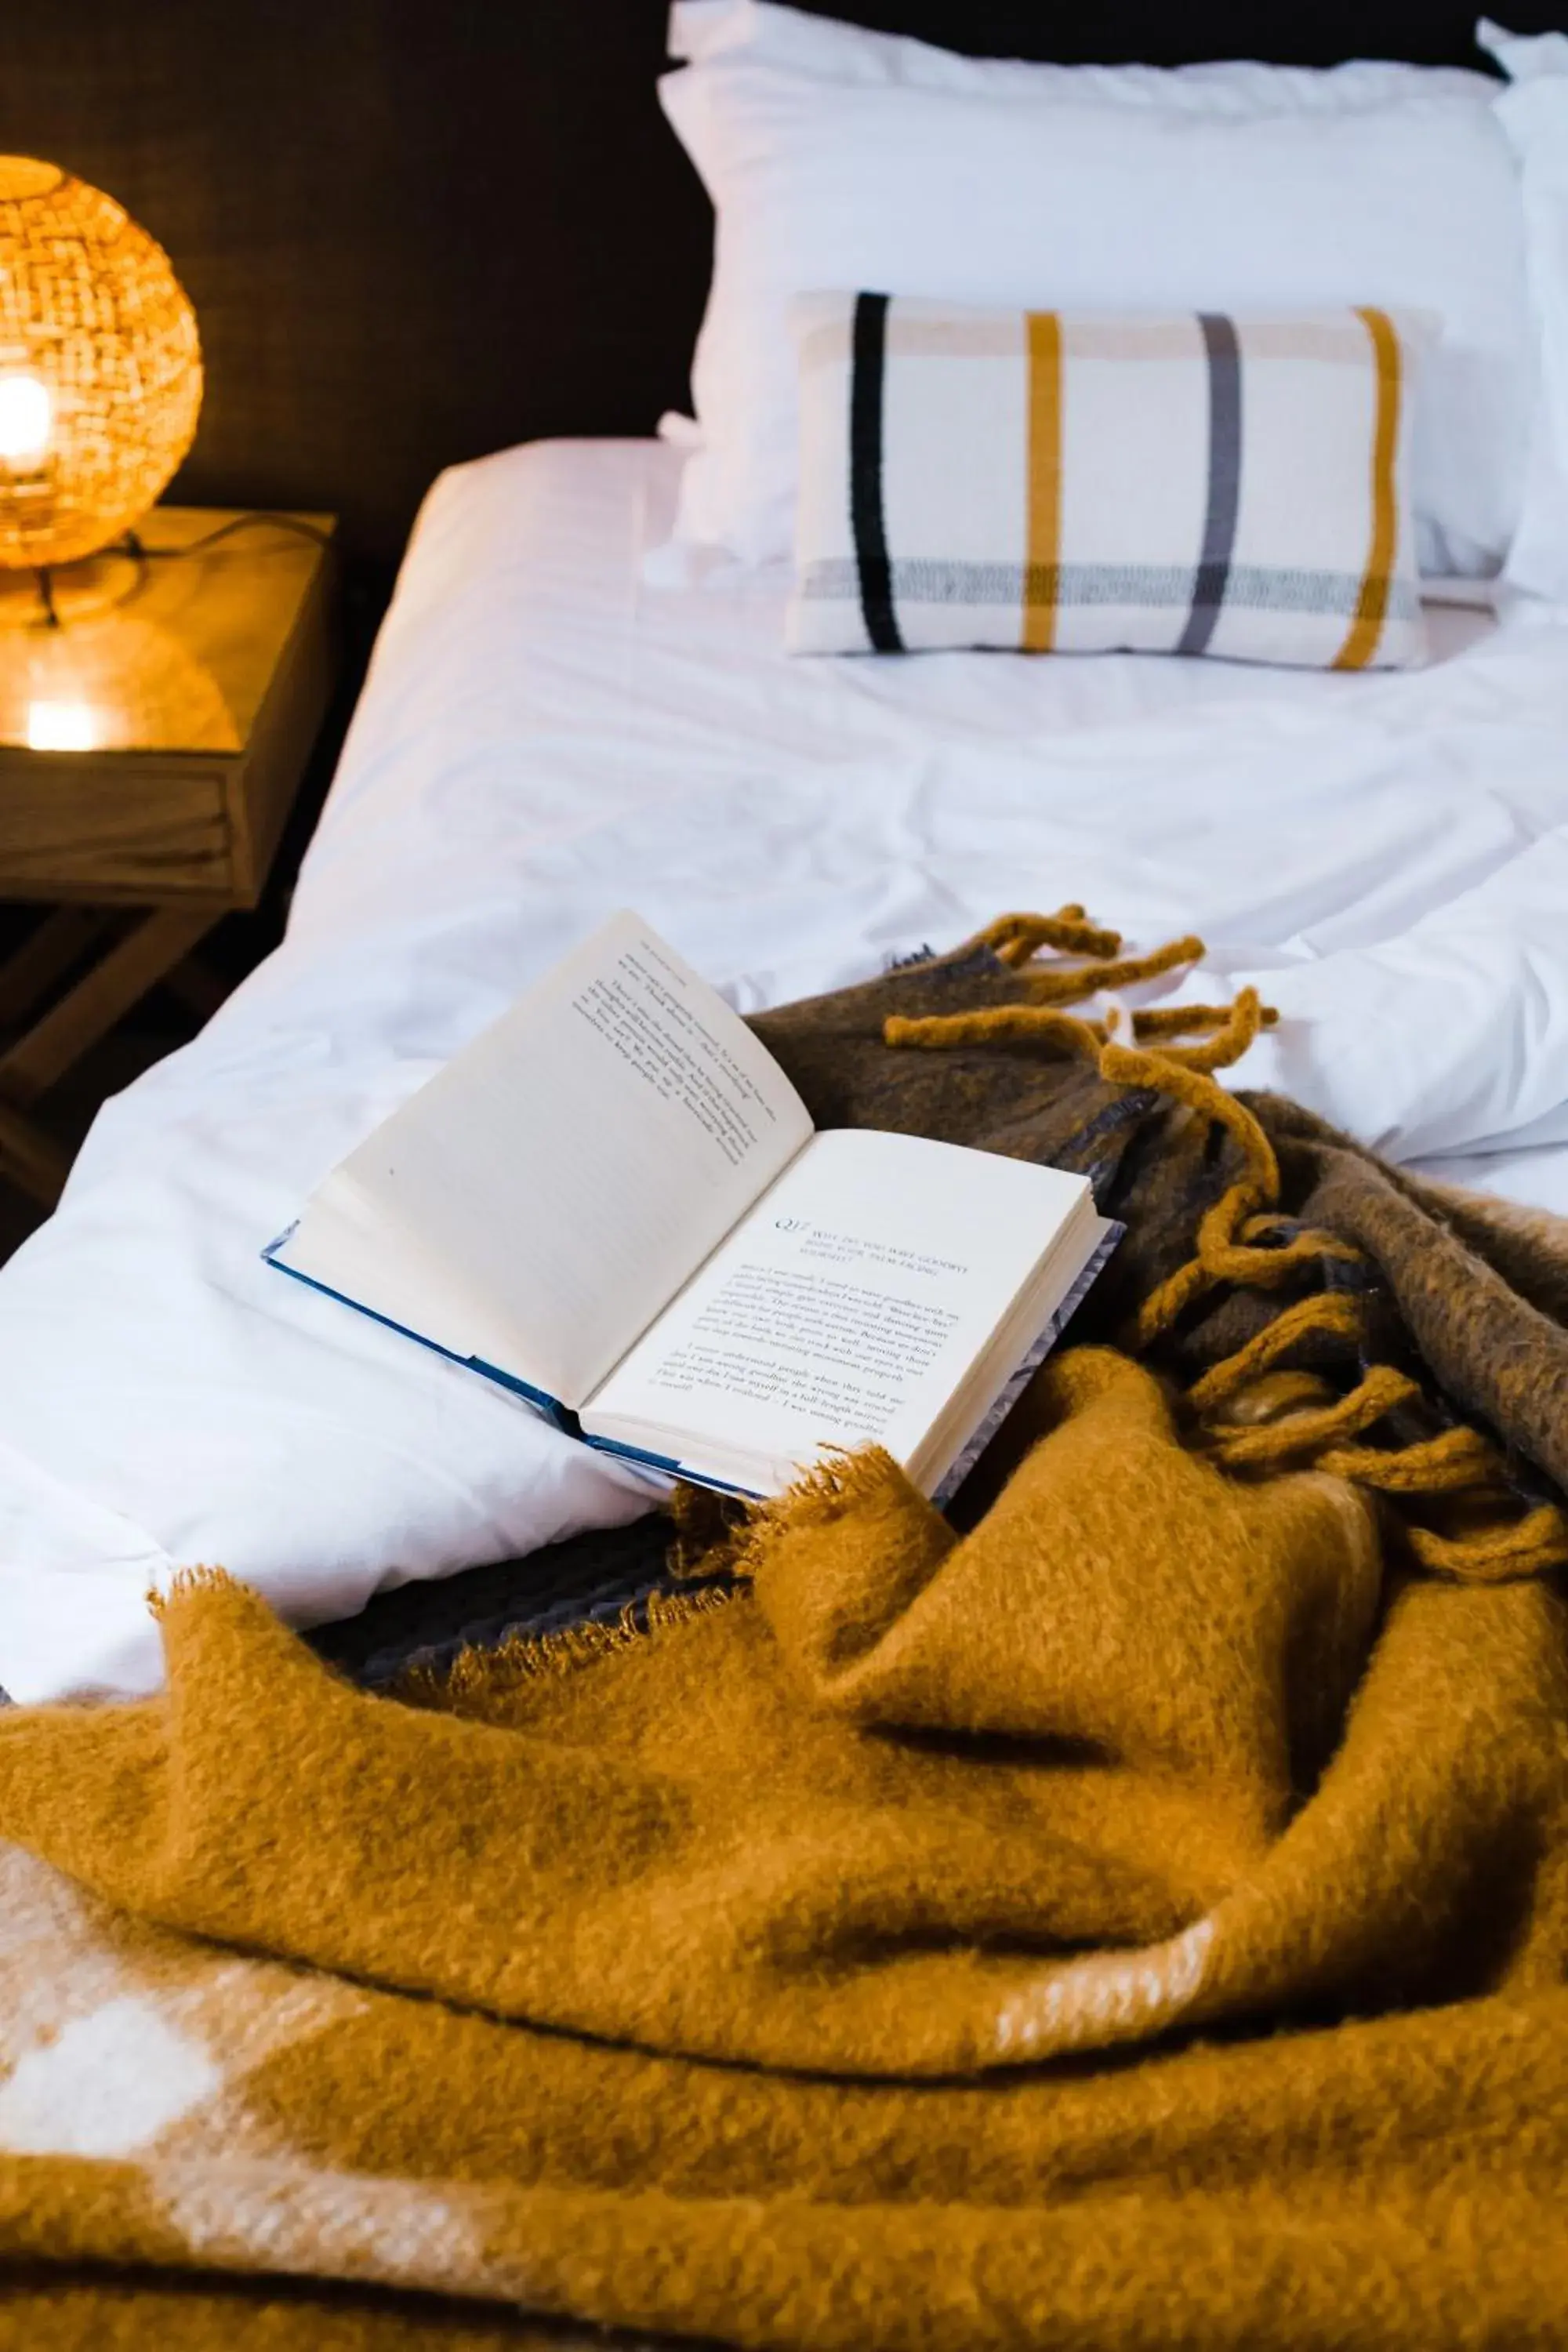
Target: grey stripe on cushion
{"points": [[926, 580], [1224, 481]]}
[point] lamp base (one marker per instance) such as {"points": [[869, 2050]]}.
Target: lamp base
{"points": [[54, 597]]}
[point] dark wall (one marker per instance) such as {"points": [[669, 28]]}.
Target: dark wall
{"points": [[413, 230], [416, 230], [1187, 32]]}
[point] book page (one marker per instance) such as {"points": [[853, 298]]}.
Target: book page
{"points": [[567, 1171], [849, 1304]]}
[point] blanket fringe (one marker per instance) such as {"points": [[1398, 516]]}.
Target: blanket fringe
{"points": [[183, 1584], [1233, 1245], [734, 1538], [479, 1680]]}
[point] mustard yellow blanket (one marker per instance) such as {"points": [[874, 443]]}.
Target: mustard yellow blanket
{"points": [[1140, 1922]]}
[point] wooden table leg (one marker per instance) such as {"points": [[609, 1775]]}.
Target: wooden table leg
{"points": [[31, 1160], [199, 989], [89, 1010], [46, 955]]}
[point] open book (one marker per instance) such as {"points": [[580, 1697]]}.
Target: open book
{"points": [[613, 1202]]}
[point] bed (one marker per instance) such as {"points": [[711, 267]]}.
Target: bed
{"points": [[548, 733], [564, 714]]}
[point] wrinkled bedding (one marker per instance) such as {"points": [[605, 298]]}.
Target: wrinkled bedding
{"points": [[561, 719]]}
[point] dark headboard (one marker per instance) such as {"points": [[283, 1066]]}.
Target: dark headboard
{"points": [[416, 230]]}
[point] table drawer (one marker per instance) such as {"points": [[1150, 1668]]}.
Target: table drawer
{"points": [[94, 828]]}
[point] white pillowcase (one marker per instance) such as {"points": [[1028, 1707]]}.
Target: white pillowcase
{"points": [[703, 30], [1534, 114], [839, 157]]}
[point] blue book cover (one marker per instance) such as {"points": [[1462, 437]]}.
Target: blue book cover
{"points": [[551, 1407], [662, 1468]]}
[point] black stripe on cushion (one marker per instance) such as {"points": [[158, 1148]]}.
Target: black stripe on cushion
{"points": [[867, 523]]}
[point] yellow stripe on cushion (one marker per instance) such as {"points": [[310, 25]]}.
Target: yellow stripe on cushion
{"points": [[1372, 605], [1042, 552]]}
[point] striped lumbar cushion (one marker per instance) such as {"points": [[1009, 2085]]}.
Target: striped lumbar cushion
{"points": [[1064, 482]]}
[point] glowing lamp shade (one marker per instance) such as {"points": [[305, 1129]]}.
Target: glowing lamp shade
{"points": [[100, 368]]}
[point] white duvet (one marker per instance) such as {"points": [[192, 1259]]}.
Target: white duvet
{"points": [[546, 736]]}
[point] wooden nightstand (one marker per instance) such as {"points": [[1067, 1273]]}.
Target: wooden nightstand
{"points": [[150, 751]]}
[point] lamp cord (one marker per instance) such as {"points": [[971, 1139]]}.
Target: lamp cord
{"points": [[131, 545]]}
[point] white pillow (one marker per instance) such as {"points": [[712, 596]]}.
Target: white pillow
{"points": [[1534, 114], [701, 30], [880, 164]]}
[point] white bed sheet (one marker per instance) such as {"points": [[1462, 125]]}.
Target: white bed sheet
{"points": [[547, 735]]}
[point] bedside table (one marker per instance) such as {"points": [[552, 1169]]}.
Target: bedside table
{"points": [[150, 751]]}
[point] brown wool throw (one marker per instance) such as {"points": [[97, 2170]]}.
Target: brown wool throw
{"points": [[1432, 1323], [1137, 1919]]}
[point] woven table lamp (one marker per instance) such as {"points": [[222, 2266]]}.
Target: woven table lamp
{"points": [[100, 369]]}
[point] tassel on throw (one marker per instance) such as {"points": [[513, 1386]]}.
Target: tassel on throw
{"points": [[1234, 1248]]}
